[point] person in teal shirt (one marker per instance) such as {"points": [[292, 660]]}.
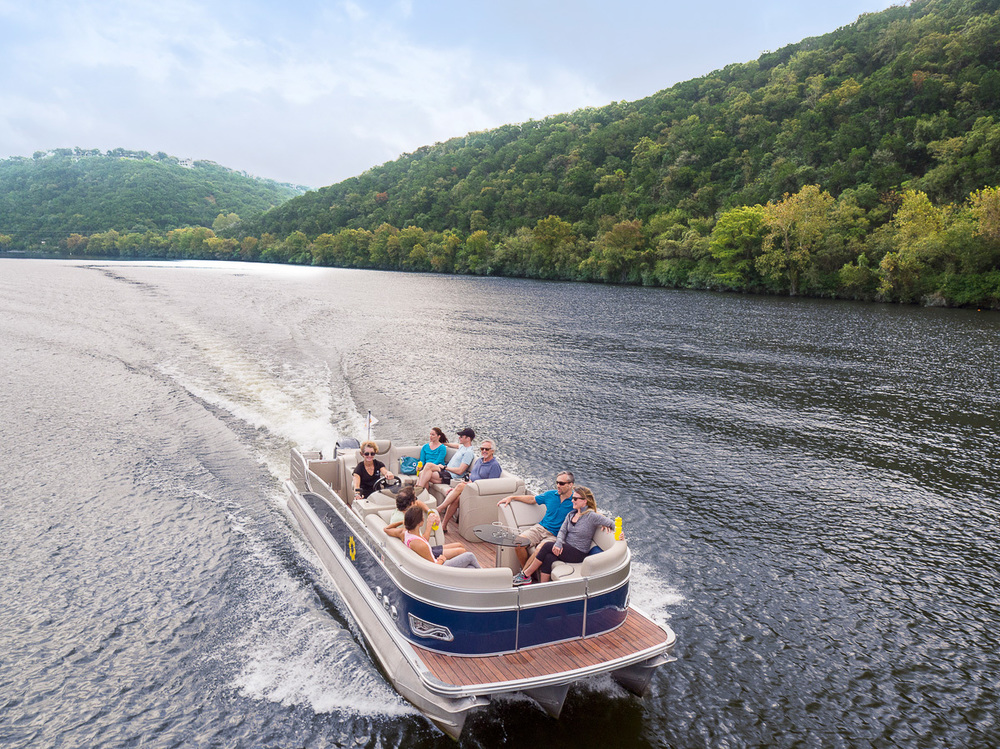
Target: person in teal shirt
{"points": [[458, 466], [436, 450]]}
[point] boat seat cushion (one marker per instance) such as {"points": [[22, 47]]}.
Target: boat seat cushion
{"points": [[596, 562], [521, 515], [478, 505], [416, 565]]}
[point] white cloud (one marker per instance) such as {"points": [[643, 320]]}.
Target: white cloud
{"points": [[311, 92], [354, 11]]}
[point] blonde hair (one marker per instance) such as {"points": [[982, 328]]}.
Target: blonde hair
{"points": [[367, 444], [589, 496]]}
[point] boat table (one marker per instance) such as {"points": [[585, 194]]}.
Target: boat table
{"points": [[499, 535]]}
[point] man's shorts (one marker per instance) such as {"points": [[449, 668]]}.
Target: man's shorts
{"points": [[536, 534]]}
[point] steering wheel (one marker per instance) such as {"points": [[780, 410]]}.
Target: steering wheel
{"points": [[383, 483]]}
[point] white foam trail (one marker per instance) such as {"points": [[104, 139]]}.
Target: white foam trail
{"points": [[651, 594], [290, 650], [307, 409], [293, 653], [313, 663]]}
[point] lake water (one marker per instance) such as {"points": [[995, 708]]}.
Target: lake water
{"points": [[810, 490]]}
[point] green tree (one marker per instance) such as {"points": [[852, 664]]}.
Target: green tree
{"points": [[619, 254], [985, 204], [736, 241], [797, 225], [384, 251], [295, 249], [412, 249], [918, 229], [351, 248], [859, 279], [188, 242], [130, 245], [513, 252], [476, 255], [103, 243], [443, 250], [322, 250], [552, 249], [225, 221]]}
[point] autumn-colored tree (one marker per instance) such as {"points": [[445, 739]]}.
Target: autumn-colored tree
{"points": [[221, 249], [985, 205], [74, 243]]}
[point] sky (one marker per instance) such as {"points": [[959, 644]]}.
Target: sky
{"points": [[313, 92]]}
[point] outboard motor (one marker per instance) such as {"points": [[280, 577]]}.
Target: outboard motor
{"points": [[347, 443]]}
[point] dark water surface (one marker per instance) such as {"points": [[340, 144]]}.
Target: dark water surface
{"points": [[810, 490]]}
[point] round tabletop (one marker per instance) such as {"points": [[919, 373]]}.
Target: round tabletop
{"points": [[499, 535]]}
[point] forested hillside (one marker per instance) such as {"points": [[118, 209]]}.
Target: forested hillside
{"points": [[76, 191], [860, 164], [905, 98], [900, 108]]}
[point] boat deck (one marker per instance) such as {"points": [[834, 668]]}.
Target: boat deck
{"points": [[634, 636], [485, 553]]}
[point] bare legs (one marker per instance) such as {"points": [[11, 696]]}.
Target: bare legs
{"points": [[450, 504], [522, 554], [452, 550], [429, 474]]}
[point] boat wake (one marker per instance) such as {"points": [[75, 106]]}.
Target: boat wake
{"points": [[290, 650], [309, 662], [651, 594], [268, 403]]}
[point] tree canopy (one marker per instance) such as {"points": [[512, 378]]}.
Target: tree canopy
{"points": [[67, 191]]}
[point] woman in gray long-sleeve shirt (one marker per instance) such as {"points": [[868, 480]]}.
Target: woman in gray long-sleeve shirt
{"points": [[572, 544]]}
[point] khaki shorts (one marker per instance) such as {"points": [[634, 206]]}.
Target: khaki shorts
{"points": [[536, 534]]}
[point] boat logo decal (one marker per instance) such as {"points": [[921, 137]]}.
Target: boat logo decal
{"points": [[425, 629], [352, 549]]}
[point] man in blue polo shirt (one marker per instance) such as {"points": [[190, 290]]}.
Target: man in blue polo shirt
{"points": [[558, 504]]}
